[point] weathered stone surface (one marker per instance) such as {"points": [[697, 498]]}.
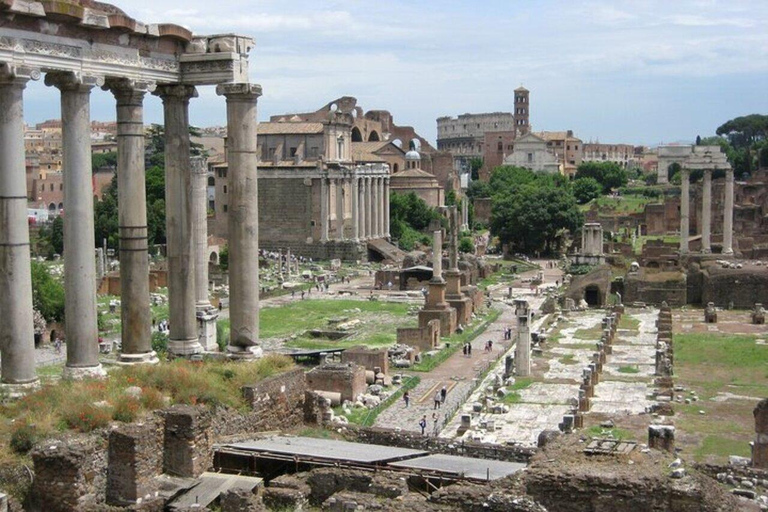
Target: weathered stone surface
{"points": [[187, 445]]}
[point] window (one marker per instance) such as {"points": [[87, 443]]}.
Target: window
{"points": [[293, 151], [61, 186], [51, 187], [225, 189], [500, 146], [225, 209], [530, 158], [568, 147], [576, 148]]}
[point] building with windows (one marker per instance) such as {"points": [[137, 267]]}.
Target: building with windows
{"points": [[567, 148], [532, 152], [622, 154]]}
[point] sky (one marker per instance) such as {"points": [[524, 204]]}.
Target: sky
{"points": [[621, 71]]}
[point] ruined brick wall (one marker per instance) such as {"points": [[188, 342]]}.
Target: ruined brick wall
{"points": [[349, 380], [187, 443], [69, 475], [743, 287], [285, 210], [415, 441], [135, 458], [277, 404], [655, 288], [367, 358]]}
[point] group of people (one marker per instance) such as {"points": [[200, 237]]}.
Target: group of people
{"points": [[163, 326], [508, 333], [435, 424], [489, 346], [467, 349]]}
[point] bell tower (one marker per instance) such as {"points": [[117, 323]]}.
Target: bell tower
{"points": [[522, 111]]}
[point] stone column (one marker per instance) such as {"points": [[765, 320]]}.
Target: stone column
{"points": [[685, 216], [323, 209], [464, 213], [244, 226], [136, 325], [339, 208], [386, 207], [369, 209], [728, 214], [205, 313], [353, 186], [363, 209], [382, 208], [437, 256], [706, 212], [17, 335], [79, 241], [179, 221], [374, 208], [523, 344]]}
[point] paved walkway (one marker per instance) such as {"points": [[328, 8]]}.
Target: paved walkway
{"points": [[459, 373]]}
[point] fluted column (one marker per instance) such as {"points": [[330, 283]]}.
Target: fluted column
{"points": [[386, 207], [135, 314], [339, 182], [353, 186], [375, 224], [244, 224], [79, 240], [17, 335], [199, 204], [323, 209], [728, 214], [706, 213], [369, 209], [179, 221], [685, 205]]}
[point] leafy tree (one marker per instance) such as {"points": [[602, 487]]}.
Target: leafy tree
{"points": [[475, 164], [763, 157], [224, 258], [412, 210], [57, 235], [102, 160], [466, 245], [651, 178], [450, 197], [479, 189], [47, 293], [586, 189], [105, 216], [672, 171], [533, 217], [609, 174], [745, 131]]}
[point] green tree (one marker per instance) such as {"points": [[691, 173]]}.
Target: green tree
{"points": [[475, 164], [47, 293], [412, 210], [466, 245], [745, 131], [450, 197], [57, 235], [586, 189], [609, 174], [103, 160], [479, 189], [224, 258], [533, 217]]}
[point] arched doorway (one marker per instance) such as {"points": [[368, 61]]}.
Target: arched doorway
{"points": [[214, 258], [673, 169], [395, 168], [374, 137], [592, 295], [356, 135]]}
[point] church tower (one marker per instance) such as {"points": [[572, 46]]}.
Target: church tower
{"points": [[522, 111]]}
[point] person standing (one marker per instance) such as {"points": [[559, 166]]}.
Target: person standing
{"points": [[435, 426], [407, 398], [443, 393], [423, 424], [438, 399], [464, 350]]}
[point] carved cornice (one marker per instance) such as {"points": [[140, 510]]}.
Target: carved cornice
{"points": [[239, 90], [70, 81], [175, 92], [17, 74]]}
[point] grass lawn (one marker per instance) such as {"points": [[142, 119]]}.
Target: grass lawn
{"points": [[714, 364], [378, 322], [592, 333], [620, 205]]}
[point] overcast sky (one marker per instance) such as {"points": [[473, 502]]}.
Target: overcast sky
{"points": [[632, 71]]}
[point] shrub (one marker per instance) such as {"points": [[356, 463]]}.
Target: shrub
{"points": [[152, 399], [23, 437], [159, 342], [466, 245], [86, 417], [126, 409]]}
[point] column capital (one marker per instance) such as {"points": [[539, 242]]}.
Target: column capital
{"points": [[127, 91], [176, 92], [729, 174], [73, 82], [17, 75], [244, 91]]}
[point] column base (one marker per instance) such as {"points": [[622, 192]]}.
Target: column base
{"points": [[244, 353], [131, 359], [206, 328], [727, 251], [185, 347], [83, 372], [706, 251], [14, 391]]}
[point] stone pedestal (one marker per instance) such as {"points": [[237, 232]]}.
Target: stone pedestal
{"points": [[435, 307], [17, 337], [206, 328], [523, 343], [760, 446], [79, 241]]}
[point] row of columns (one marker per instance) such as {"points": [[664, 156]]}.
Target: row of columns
{"points": [[706, 212], [185, 225], [370, 208]]}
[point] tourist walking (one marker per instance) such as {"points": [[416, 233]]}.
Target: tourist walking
{"points": [[464, 350], [423, 424], [469, 349], [443, 393], [438, 399], [407, 398], [435, 426]]}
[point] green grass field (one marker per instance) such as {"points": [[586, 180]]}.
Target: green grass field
{"points": [[732, 369]]}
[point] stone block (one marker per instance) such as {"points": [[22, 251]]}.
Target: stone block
{"points": [[346, 379], [187, 444], [661, 437], [367, 358], [447, 318], [135, 458]]}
